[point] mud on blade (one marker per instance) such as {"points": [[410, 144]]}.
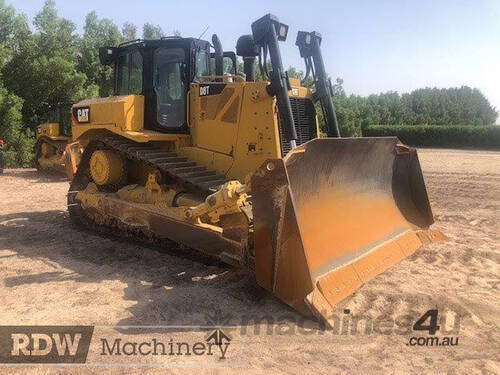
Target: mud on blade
{"points": [[335, 213]]}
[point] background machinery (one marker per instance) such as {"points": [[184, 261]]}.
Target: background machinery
{"points": [[51, 140], [234, 168]]}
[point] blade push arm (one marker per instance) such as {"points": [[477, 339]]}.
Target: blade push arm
{"points": [[309, 47], [267, 31]]}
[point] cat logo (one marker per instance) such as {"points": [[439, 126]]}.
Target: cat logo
{"points": [[82, 114]]}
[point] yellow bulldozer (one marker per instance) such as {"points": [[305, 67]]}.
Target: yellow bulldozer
{"points": [[188, 151], [50, 146]]}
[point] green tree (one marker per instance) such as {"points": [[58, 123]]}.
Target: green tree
{"points": [[129, 31], [150, 31], [19, 142], [13, 28], [428, 106], [43, 67], [97, 33]]}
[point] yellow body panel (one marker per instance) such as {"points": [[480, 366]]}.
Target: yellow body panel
{"points": [[214, 118], [122, 115], [236, 131], [125, 112], [87, 131], [50, 130], [297, 89], [211, 160], [232, 133], [48, 154]]}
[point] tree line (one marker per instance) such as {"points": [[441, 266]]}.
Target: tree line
{"points": [[427, 106], [456, 106], [48, 63]]}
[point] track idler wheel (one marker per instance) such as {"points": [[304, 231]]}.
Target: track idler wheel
{"points": [[107, 167]]}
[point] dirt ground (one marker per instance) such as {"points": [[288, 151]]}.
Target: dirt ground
{"points": [[52, 274]]}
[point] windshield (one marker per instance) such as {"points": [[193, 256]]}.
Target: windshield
{"points": [[170, 86]]}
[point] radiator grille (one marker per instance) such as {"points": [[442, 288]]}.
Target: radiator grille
{"points": [[304, 117]]}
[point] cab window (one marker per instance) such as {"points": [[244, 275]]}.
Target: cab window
{"points": [[227, 65], [129, 73], [202, 63], [169, 83], [122, 75], [135, 76]]}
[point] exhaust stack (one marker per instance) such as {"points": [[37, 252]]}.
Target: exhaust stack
{"points": [[248, 50]]}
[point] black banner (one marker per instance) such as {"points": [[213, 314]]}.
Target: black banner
{"points": [[45, 344], [211, 89]]}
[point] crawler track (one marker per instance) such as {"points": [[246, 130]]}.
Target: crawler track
{"points": [[173, 169]]}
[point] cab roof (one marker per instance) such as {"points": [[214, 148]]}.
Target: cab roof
{"points": [[169, 40]]}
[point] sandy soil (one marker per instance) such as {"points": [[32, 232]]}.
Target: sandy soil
{"points": [[51, 274]]}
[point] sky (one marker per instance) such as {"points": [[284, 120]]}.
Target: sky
{"points": [[373, 45]]}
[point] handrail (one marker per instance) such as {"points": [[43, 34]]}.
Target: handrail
{"points": [[188, 109], [224, 78], [130, 42]]}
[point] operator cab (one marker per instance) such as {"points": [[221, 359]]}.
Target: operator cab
{"points": [[162, 71]]}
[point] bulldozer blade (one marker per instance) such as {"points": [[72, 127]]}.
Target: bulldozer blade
{"points": [[335, 213]]}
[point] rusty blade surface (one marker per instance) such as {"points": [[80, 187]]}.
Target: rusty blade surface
{"points": [[334, 214]]}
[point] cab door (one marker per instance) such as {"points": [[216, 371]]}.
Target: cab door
{"points": [[166, 103]]}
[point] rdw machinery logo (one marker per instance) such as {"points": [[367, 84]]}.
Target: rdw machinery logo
{"points": [[44, 344]]}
